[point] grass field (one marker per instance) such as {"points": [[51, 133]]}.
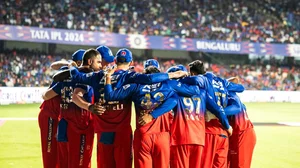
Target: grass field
{"points": [[277, 146]]}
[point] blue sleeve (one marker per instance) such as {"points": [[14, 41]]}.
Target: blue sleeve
{"points": [[52, 84], [121, 93], [233, 87], [184, 89], [194, 80], [165, 107], [57, 87], [85, 78], [218, 111], [235, 106], [147, 78]]}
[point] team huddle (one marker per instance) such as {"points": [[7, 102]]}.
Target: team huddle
{"points": [[183, 119]]}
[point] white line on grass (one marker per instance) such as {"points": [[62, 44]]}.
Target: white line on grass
{"points": [[18, 119], [294, 124]]}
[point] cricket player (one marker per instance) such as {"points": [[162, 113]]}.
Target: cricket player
{"points": [[75, 130], [188, 126], [113, 128], [48, 119], [243, 139], [151, 141], [216, 138]]}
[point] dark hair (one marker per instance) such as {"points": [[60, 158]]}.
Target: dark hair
{"points": [[88, 54], [151, 69], [197, 67]]}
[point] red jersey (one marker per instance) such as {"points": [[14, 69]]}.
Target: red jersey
{"points": [[51, 107], [240, 121], [188, 125], [160, 124], [213, 125], [116, 117]]}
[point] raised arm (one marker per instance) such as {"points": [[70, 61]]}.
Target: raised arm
{"points": [[194, 80], [154, 78], [233, 87], [183, 89], [58, 64], [119, 94]]}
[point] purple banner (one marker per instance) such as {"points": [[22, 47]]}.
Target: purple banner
{"points": [[76, 37]]}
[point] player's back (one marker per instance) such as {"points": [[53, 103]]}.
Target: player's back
{"points": [[240, 121], [146, 99], [118, 113], [65, 89], [188, 125], [217, 90]]}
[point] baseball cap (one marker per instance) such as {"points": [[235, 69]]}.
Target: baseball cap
{"points": [[77, 55], [177, 68], [123, 55], [106, 53], [151, 62]]}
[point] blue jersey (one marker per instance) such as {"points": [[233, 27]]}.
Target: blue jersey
{"points": [[119, 78], [65, 90], [147, 98], [118, 113], [237, 112]]}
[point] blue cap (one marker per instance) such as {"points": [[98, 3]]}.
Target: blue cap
{"points": [[78, 55], [151, 62], [106, 54], [124, 53], [177, 68], [63, 68]]}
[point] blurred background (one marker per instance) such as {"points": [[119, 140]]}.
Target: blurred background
{"points": [[256, 40]]}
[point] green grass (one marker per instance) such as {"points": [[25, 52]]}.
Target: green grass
{"points": [[277, 146]]}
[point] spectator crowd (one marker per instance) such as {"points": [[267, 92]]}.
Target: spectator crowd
{"points": [[26, 68], [268, 21]]}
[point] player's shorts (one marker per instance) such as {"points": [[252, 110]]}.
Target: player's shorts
{"points": [[241, 146], [48, 127], [215, 151], [186, 156], [151, 150], [80, 146], [114, 149]]}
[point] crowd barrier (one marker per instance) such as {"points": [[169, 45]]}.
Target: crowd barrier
{"points": [[22, 95]]}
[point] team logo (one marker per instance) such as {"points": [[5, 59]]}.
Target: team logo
{"points": [[137, 41], [123, 53]]}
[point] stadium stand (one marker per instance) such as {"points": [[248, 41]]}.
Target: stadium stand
{"points": [[269, 21], [31, 68]]}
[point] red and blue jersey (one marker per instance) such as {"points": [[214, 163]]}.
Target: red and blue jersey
{"points": [[188, 125], [65, 90], [118, 113], [74, 115], [83, 118], [217, 88], [237, 113], [146, 98], [51, 107]]}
